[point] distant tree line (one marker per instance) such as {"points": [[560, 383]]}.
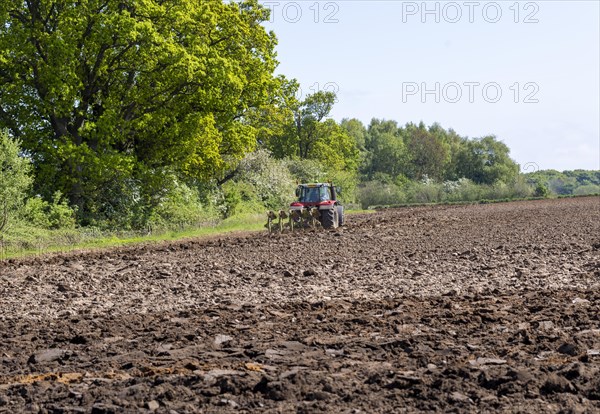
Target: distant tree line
{"points": [[576, 182]]}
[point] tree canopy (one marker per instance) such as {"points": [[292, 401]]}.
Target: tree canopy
{"points": [[414, 152], [104, 90], [308, 133]]}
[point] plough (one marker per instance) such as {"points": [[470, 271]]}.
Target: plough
{"points": [[292, 219]]}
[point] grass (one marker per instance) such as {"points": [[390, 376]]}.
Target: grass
{"points": [[352, 212], [24, 241]]}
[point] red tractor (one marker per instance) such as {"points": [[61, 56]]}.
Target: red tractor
{"points": [[320, 200]]}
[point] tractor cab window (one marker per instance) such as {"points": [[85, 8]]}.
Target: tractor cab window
{"points": [[314, 194], [310, 195]]}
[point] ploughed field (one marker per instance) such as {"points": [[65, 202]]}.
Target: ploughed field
{"points": [[457, 309]]}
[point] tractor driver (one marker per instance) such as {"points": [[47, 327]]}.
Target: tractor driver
{"points": [[325, 195], [317, 194]]}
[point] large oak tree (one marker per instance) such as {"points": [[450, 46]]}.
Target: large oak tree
{"points": [[103, 92]]}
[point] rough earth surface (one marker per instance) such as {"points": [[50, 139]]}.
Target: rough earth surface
{"points": [[479, 308]]}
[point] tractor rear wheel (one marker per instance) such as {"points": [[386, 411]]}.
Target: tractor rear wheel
{"points": [[340, 211], [329, 218]]}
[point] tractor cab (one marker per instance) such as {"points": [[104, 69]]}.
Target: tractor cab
{"points": [[314, 194]]}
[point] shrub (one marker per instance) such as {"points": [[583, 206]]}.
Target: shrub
{"points": [[34, 212], [498, 191], [465, 190], [181, 207], [541, 190], [15, 177], [587, 189], [55, 215], [521, 188], [425, 191], [429, 191], [375, 193], [60, 214], [240, 197], [269, 179]]}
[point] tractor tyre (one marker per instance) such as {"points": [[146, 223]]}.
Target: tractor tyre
{"points": [[340, 211], [329, 218]]}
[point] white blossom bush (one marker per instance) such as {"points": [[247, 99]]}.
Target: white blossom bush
{"points": [[271, 179]]}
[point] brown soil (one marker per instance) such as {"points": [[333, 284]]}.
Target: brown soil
{"points": [[457, 309]]}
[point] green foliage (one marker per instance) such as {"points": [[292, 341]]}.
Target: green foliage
{"points": [[35, 212], [427, 191], [55, 215], [307, 120], [274, 119], [262, 182], [486, 161], [181, 208], [307, 171], [587, 189], [15, 177], [308, 135], [23, 237], [240, 198], [269, 178], [357, 131], [259, 182], [335, 149], [521, 187], [541, 190], [386, 151], [462, 190], [415, 151], [102, 92], [347, 182], [577, 182], [376, 193], [427, 151]]}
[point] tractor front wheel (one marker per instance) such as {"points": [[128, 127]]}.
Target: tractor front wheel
{"points": [[330, 218]]}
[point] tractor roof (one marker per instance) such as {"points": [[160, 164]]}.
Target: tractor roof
{"points": [[311, 185]]}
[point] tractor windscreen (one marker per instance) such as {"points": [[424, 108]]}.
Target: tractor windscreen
{"points": [[314, 194]]}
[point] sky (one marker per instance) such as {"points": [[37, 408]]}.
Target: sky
{"points": [[526, 72]]}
